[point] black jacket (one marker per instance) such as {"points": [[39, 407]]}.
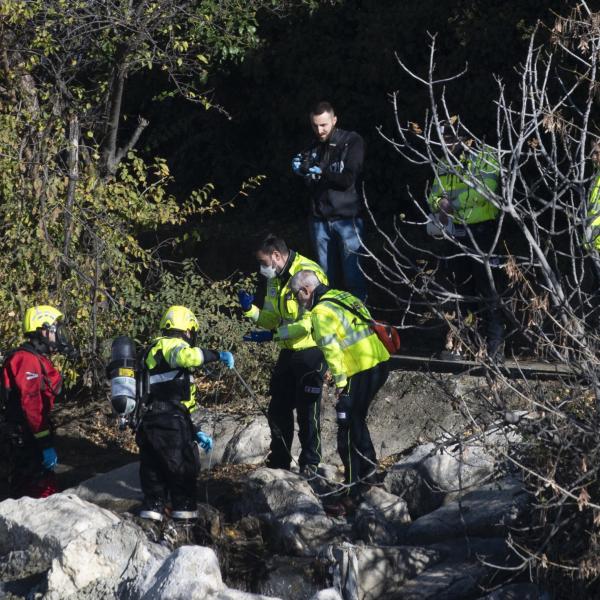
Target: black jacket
{"points": [[338, 193]]}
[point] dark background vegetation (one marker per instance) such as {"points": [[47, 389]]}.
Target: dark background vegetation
{"points": [[346, 53]]}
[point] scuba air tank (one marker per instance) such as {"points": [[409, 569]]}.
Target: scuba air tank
{"points": [[121, 372]]}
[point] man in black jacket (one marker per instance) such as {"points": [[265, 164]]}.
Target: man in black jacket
{"points": [[332, 168]]}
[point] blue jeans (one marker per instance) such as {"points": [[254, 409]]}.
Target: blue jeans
{"points": [[337, 246]]}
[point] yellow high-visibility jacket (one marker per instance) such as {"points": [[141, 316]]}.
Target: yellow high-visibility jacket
{"points": [[470, 205], [170, 361], [281, 311], [347, 342], [594, 212]]}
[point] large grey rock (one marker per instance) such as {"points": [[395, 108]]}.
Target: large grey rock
{"points": [[449, 580], [328, 594], [77, 542], [249, 445], [432, 471], [381, 517], [372, 573], [287, 503], [222, 427], [118, 490], [291, 577], [409, 408], [484, 512], [188, 573], [74, 550]]}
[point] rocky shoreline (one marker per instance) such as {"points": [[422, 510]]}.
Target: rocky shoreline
{"points": [[435, 528]]}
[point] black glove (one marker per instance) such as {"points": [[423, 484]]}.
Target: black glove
{"points": [[343, 409]]}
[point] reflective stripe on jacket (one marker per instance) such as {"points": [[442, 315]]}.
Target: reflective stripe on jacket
{"points": [[281, 311], [470, 205], [347, 342], [170, 361]]}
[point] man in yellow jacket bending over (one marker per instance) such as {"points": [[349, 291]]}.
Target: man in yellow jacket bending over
{"points": [[359, 364], [297, 380]]}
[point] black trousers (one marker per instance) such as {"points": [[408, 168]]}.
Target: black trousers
{"points": [[296, 383], [169, 459], [353, 438], [468, 277], [26, 475]]}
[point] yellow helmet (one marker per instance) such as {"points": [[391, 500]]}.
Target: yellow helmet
{"points": [[38, 316], [180, 318]]}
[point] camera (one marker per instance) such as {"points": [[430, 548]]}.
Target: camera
{"points": [[309, 159]]}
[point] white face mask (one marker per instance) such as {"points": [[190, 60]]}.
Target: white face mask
{"points": [[268, 271]]}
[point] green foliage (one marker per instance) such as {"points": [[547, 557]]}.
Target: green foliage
{"points": [[221, 324], [100, 275]]}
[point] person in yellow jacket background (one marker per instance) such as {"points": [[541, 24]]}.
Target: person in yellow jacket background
{"points": [[460, 205], [359, 364], [593, 204], [297, 380], [169, 432]]}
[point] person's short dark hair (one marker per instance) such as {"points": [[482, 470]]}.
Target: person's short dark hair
{"points": [[322, 107], [272, 243]]}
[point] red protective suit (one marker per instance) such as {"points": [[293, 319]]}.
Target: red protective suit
{"points": [[32, 384]]}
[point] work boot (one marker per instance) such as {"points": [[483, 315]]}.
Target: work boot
{"points": [[185, 511], [153, 510], [309, 471]]}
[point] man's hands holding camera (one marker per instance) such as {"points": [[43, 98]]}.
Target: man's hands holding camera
{"points": [[304, 165]]}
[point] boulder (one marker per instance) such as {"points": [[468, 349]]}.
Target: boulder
{"points": [[483, 512], [188, 573], [71, 549], [412, 405], [328, 594], [292, 577], [79, 544], [118, 490], [449, 580], [373, 573], [221, 427], [380, 518], [432, 471], [287, 504], [250, 444]]}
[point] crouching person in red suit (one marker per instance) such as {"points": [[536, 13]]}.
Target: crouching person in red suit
{"points": [[31, 384]]}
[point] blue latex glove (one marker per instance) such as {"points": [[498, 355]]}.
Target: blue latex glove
{"points": [[227, 359], [315, 172], [259, 336], [205, 441], [49, 458], [296, 162], [246, 300]]}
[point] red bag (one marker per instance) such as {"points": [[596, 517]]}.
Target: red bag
{"points": [[388, 335]]}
